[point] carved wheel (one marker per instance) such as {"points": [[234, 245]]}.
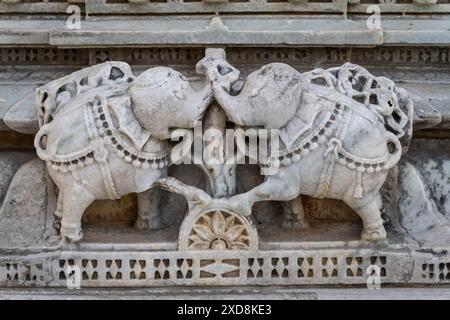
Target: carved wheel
{"points": [[217, 229]]}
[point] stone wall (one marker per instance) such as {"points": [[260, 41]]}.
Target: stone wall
{"points": [[412, 48]]}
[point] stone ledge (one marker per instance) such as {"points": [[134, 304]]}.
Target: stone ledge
{"points": [[101, 7], [200, 31], [242, 293]]}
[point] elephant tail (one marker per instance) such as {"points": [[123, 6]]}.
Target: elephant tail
{"points": [[394, 149], [41, 144]]}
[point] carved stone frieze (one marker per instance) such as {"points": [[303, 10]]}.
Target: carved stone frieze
{"points": [[343, 134], [122, 121]]}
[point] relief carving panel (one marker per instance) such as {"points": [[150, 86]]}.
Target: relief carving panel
{"points": [[340, 133]]}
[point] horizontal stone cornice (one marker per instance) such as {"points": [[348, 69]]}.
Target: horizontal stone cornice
{"points": [[226, 31]]}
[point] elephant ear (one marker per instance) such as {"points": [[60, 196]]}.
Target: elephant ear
{"points": [[127, 124], [51, 97], [311, 110]]}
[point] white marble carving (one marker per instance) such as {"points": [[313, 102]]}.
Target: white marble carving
{"points": [[101, 129], [341, 130], [103, 135], [214, 240]]}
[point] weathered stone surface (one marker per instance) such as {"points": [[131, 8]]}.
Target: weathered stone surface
{"points": [[10, 161], [255, 293], [188, 234], [22, 116], [436, 103], [10, 94], [121, 130], [23, 213], [98, 7], [140, 119], [235, 30], [277, 97], [418, 208], [425, 114], [251, 293], [217, 222]]}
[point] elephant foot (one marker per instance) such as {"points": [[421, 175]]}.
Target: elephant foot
{"points": [[373, 234], [153, 223], [71, 234], [241, 205], [292, 222], [57, 223]]}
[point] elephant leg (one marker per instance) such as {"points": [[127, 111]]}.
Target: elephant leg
{"points": [[294, 214], [59, 206], [58, 212], [75, 202], [149, 216], [370, 214], [284, 186]]}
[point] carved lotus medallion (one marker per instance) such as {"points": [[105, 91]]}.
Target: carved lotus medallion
{"points": [[218, 230]]}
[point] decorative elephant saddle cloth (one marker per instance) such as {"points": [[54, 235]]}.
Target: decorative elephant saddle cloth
{"points": [[326, 101], [94, 103], [321, 92]]}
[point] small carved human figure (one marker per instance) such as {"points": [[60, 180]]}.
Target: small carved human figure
{"points": [[103, 131], [341, 130]]}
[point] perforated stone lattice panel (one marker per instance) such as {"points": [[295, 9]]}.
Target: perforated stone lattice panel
{"points": [[223, 268], [22, 273], [435, 270]]}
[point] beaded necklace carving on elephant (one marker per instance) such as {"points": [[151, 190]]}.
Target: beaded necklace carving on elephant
{"points": [[103, 134], [341, 130]]}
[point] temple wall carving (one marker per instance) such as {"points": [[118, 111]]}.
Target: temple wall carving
{"points": [[354, 182]]}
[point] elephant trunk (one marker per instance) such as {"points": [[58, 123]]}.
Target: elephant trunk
{"points": [[235, 107], [203, 99]]}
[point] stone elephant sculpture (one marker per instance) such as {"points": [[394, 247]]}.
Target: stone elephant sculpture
{"points": [[340, 131], [103, 133]]}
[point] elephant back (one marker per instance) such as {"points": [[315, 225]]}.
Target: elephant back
{"points": [[378, 95], [362, 121], [53, 97], [377, 99]]}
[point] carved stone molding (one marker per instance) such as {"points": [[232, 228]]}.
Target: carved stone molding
{"points": [[432, 57], [140, 7], [247, 6], [227, 30]]}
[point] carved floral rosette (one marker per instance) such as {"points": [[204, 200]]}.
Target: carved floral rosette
{"points": [[217, 229]]}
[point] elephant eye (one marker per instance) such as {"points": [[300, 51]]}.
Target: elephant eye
{"points": [[223, 70], [390, 103]]}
